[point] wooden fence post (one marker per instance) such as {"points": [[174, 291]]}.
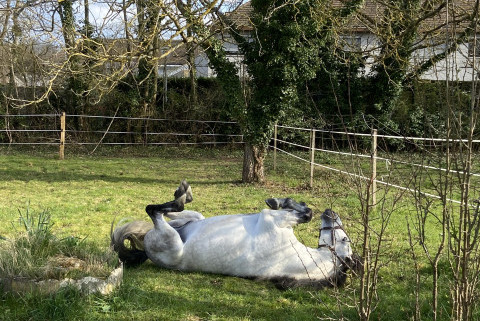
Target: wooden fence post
{"points": [[312, 156], [62, 135], [145, 140], [275, 148], [374, 167], [322, 146]]}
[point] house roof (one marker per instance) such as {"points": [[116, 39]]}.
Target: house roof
{"points": [[179, 56], [119, 47], [372, 14], [369, 15], [241, 17]]}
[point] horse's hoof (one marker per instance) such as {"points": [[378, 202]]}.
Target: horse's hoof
{"points": [[184, 189], [273, 203]]}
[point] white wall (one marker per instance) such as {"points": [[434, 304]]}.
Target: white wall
{"points": [[458, 66]]}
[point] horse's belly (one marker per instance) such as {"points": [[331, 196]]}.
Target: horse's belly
{"points": [[238, 264], [234, 246], [240, 255], [233, 257], [231, 246], [272, 262]]}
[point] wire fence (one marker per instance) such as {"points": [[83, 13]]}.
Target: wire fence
{"points": [[393, 168], [84, 130], [62, 130]]}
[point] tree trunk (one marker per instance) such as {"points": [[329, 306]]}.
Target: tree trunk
{"points": [[148, 14], [193, 75], [253, 157], [191, 62]]}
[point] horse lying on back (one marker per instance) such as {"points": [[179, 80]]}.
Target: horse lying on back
{"points": [[259, 246]]}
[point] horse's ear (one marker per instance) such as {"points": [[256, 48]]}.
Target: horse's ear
{"points": [[273, 203]]}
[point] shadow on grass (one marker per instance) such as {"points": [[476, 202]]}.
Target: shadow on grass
{"points": [[30, 175], [152, 293], [192, 296]]}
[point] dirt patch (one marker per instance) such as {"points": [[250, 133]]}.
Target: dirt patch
{"points": [[64, 265], [86, 285]]}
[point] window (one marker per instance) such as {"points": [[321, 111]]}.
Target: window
{"points": [[352, 43], [474, 47]]}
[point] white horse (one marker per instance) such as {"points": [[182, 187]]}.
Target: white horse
{"points": [[260, 246]]}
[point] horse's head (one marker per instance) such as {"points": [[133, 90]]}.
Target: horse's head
{"points": [[334, 237], [332, 234]]}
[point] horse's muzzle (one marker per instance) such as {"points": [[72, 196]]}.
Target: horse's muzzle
{"points": [[355, 263]]}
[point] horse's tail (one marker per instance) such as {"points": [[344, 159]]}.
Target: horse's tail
{"points": [[127, 241]]}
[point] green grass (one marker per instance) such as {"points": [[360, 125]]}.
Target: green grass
{"points": [[84, 194]]}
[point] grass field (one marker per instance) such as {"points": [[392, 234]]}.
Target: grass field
{"points": [[84, 194]]}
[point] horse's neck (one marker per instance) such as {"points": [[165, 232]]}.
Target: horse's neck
{"points": [[313, 263]]}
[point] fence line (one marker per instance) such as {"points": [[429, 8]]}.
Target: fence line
{"points": [[29, 130], [155, 119], [376, 157], [373, 157], [62, 141], [154, 144], [382, 136], [368, 178], [31, 115], [40, 143], [311, 148], [123, 117], [147, 133], [232, 122]]}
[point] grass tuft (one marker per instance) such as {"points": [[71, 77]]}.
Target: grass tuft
{"points": [[36, 253]]}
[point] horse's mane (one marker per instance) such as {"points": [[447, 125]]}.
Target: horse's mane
{"points": [[287, 282], [127, 241], [336, 280]]}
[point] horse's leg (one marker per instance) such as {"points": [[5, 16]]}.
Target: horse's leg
{"points": [[183, 194], [293, 213], [172, 206], [178, 219], [163, 244], [286, 203], [192, 215]]}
